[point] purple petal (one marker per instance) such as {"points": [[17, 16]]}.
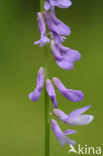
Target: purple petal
{"points": [[69, 54], [55, 127], [80, 120], [35, 95], [75, 117], [41, 23], [47, 5], [60, 135], [51, 92], [43, 41], [69, 141], [64, 56], [63, 37], [58, 3], [60, 114], [67, 132], [56, 51], [57, 38], [64, 64], [40, 78], [59, 85], [78, 112], [42, 28], [72, 95], [55, 24], [61, 3], [62, 61]]}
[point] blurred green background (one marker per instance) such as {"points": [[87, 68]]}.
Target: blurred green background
{"points": [[22, 121]]}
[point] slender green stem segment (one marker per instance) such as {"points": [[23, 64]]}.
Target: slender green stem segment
{"points": [[47, 125], [46, 99], [41, 5]]}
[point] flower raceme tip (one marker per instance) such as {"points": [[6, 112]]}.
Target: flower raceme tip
{"points": [[65, 57]]}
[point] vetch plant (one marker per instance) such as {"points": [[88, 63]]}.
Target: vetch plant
{"points": [[65, 58]]}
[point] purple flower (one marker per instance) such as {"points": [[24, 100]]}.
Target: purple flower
{"points": [[69, 54], [57, 38], [55, 24], [72, 95], [42, 28], [35, 95], [59, 3], [60, 135], [65, 57], [75, 117], [51, 92]]}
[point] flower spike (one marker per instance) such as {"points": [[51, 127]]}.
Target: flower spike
{"points": [[35, 95], [65, 58], [62, 136], [75, 117], [72, 95], [51, 92]]}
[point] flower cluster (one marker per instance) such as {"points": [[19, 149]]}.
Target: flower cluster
{"points": [[74, 118], [70, 94], [65, 58]]}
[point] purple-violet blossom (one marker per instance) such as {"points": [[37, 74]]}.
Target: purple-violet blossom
{"points": [[35, 95], [51, 92], [59, 3], [62, 136], [57, 38], [55, 24], [42, 28], [75, 117], [65, 57], [70, 94]]}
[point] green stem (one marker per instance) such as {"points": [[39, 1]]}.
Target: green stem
{"points": [[46, 100], [41, 5], [47, 125], [46, 107]]}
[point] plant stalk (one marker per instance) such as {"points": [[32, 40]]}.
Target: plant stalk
{"points": [[46, 107], [47, 125], [42, 5], [46, 100]]}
